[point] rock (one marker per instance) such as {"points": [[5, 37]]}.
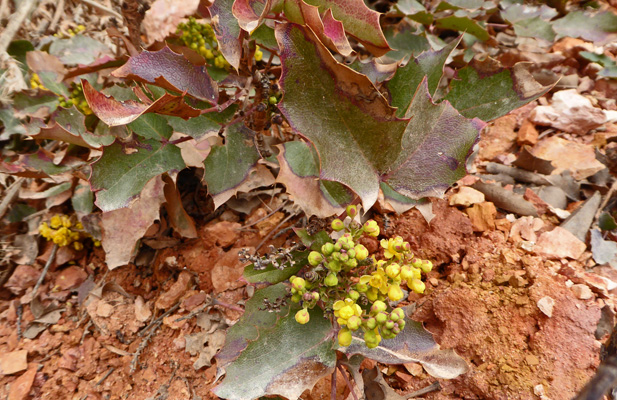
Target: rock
{"points": [[525, 228], [532, 360], [104, 309], [192, 302], [482, 216], [14, 361], [559, 243], [175, 292], [142, 310], [466, 196], [527, 134], [23, 277], [71, 278], [570, 112], [228, 270], [582, 291], [414, 369], [581, 159], [546, 304], [20, 388], [498, 138], [224, 233]]}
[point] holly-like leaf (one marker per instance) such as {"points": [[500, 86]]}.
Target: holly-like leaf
{"points": [[35, 165], [487, 91], [227, 31], [254, 319], [273, 275], [250, 13], [229, 165], [171, 71], [291, 358], [313, 242], [115, 113], [534, 27], [38, 106], [300, 174], [463, 24], [124, 168], [358, 20], [412, 344], [78, 49], [406, 80], [600, 28], [405, 41], [203, 125], [373, 70], [69, 126], [10, 124], [151, 126]]}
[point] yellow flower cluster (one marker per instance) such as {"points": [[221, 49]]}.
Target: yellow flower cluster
{"points": [[76, 99], [72, 32], [59, 231], [201, 38], [35, 82]]}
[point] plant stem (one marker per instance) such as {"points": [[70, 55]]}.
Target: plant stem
{"points": [[50, 261], [333, 384]]}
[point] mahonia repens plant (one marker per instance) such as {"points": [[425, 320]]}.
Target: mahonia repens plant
{"points": [[63, 231], [355, 288]]}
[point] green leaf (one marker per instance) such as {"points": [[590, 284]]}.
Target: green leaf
{"points": [[487, 91], [10, 124], [291, 358], [78, 49], [358, 20], [600, 28], [299, 173], [38, 106], [19, 211], [610, 66], [36, 165], [406, 80], [227, 31], [463, 24], [412, 344], [264, 36], [535, 27], [125, 168], [151, 126], [69, 126], [18, 50], [607, 222], [274, 275], [229, 165], [406, 41], [203, 125], [254, 319], [82, 200], [313, 242]]}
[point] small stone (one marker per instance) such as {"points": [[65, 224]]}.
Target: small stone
{"points": [[172, 322], [142, 310], [104, 309], [546, 304], [434, 282], [228, 271], [14, 361], [71, 278], [559, 243], [23, 277], [414, 369], [20, 388], [482, 216], [175, 292], [194, 301], [527, 134], [518, 282], [224, 233], [466, 196], [532, 360], [582, 291]]}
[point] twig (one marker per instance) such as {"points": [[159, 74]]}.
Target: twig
{"points": [[264, 217], [109, 372], [353, 392], [20, 313], [57, 14], [14, 23], [143, 345], [333, 385], [430, 388], [274, 230], [101, 7], [604, 379], [158, 320], [50, 261], [9, 195], [605, 201], [219, 107], [83, 335], [226, 305]]}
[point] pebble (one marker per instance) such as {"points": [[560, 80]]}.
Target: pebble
{"points": [[582, 291]]}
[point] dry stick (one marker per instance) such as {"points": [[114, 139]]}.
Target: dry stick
{"points": [[143, 345], [86, 328], [50, 260], [14, 23], [9, 196], [430, 388], [109, 372], [353, 392], [101, 7], [605, 201], [333, 385], [158, 320], [57, 14], [273, 230], [264, 217], [20, 313]]}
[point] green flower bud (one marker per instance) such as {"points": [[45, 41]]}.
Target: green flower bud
{"points": [[331, 280], [296, 298], [352, 211], [378, 306], [343, 257], [273, 100], [371, 323], [386, 333], [351, 253], [401, 324], [302, 316], [396, 329], [334, 266], [353, 295], [361, 287], [416, 263], [371, 228], [397, 313], [393, 270], [337, 225], [351, 263], [354, 322], [370, 337], [361, 252], [344, 337], [395, 293], [315, 258], [299, 284], [315, 296], [327, 249], [426, 266], [417, 286], [406, 273], [381, 318], [389, 324]]}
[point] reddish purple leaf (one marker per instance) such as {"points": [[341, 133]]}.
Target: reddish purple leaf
{"points": [[115, 113], [334, 30], [250, 13], [227, 31], [171, 71]]}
